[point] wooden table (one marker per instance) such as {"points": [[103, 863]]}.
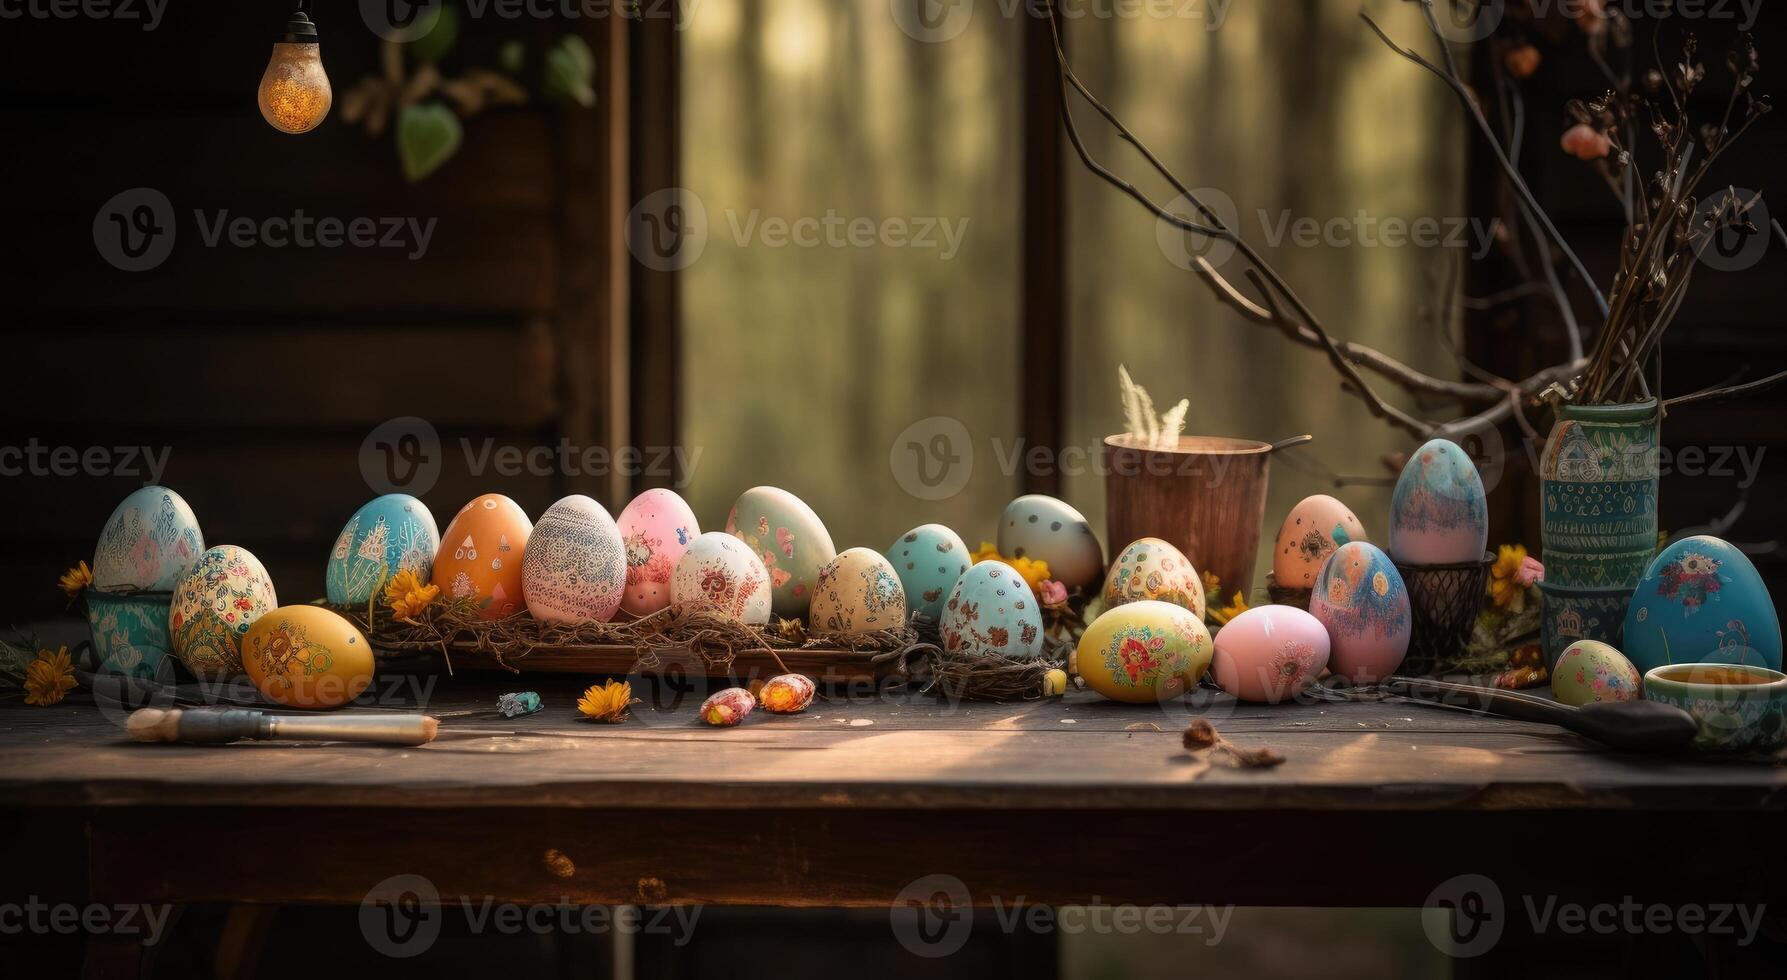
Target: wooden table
{"points": [[1062, 802]]}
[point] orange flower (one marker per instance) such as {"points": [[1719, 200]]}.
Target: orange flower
{"points": [[607, 702], [1230, 611], [408, 596], [76, 580], [49, 677], [1505, 590]]}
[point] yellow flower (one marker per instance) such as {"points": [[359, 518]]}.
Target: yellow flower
{"points": [[988, 551], [1034, 571], [408, 596], [1054, 683], [75, 580], [1235, 608], [607, 702], [49, 677], [1212, 584], [1504, 590]]}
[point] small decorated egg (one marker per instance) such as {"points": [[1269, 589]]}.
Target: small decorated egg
{"points": [[307, 657], [390, 534], [1153, 569], [720, 576], [574, 569], [1702, 601], [787, 694], [727, 708], [1144, 652], [1361, 601], [1306, 539], [788, 538], [148, 543], [217, 601], [656, 528], [480, 556], [857, 592], [1438, 513], [991, 610], [1269, 653], [928, 559], [1043, 528], [1589, 671]]}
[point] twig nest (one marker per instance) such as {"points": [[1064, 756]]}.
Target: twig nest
{"points": [[727, 708], [786, 694]]}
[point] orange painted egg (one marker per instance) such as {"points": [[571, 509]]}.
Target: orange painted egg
{"points": [[1306, 539], [480, 556], [307, 657]]}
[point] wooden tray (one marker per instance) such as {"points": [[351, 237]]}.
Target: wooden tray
{"points": [[827, 666]]}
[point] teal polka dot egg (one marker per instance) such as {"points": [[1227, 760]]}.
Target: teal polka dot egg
{"points": [[928, 559]]}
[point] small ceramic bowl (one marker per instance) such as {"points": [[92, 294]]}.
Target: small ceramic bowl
{"points": [[1738, 707], [130, 631]]}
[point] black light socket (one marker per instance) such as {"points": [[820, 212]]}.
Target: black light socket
{"points": [[298, 30]]}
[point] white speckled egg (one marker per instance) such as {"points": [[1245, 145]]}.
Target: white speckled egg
{"points": [[656, 527], [1144, 652], [1041, 527], [216, 602], [720, 576], [1153, 569], [790, 541], [148, 543], [575, 568], [390, 534], [991, 610], [1269, 653], [1306, 539], [928, 559], [1359, 597], [1438, 514], [858, 592]]}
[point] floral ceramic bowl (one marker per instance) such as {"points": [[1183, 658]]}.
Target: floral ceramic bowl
{"points": [[1738, 707], [130, 630]]}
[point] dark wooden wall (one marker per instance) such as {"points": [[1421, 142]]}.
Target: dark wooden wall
{"points": [[263, 370]]}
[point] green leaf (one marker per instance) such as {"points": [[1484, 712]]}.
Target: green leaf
{"points": [[511, 56], [435, 35], [570, 70], [427, 137]]}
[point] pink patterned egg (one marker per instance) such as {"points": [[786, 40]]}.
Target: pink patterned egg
{"points": [[1269, 653], [1360, 598], [655, 528], [574, 569]]}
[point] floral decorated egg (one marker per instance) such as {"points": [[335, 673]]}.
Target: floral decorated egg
{"points": [[788, 538], [720, 576], [991, 610], [1589, 671], [148, 543], [1306, 539], [217, 601], [1438, 513], [307, 657], [1361, 601], [1702, 601], [1046, 529], [480, 556], [1269, 653], [928, 559], [575, 568], [1153, 569], [390, 534], [857, 592], [656, 528], [1144, 652]]}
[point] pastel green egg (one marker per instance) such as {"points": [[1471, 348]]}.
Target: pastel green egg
{"points": [[789, 538], [1589, 671]]}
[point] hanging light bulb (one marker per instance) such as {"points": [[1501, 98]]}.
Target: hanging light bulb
{"points": [[295, 93]]}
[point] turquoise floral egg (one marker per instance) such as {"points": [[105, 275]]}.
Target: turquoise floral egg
{"points": [[1589, 671], [1359, 597], [928, 559], [1438, 513], [148, 544], [1702, 601], [390, 534], [790, 540], [1042, 528], [991, 610], [214, 604]]}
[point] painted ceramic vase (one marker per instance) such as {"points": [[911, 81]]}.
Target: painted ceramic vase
{"points": [[130, 632], [1598, 518]]}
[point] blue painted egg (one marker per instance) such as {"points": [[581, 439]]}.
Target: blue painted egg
{"points": [[1701, 601], [928, 559], [1359, 597], [148, 544], [1438, 514], [991, 610], [390, 534]]}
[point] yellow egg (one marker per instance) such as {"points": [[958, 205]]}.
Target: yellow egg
{"points": [[307, 657], [1144, 652], [857, 592], [1153, 569]]}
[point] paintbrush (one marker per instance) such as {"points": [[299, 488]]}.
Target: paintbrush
{"points": [[216, 726]]}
